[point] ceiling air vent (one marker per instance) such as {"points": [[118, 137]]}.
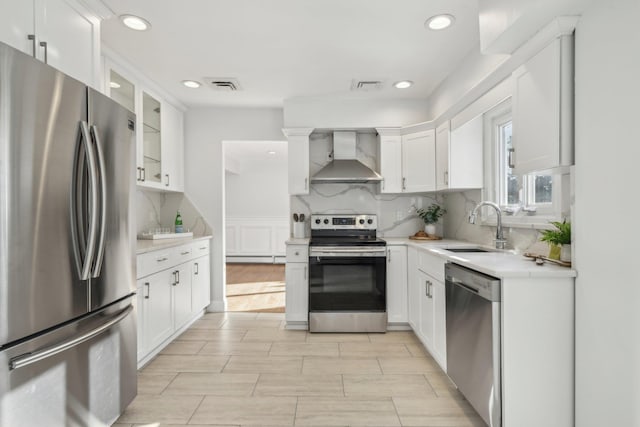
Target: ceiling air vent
{"points": [[366, 85], [223, 84]]}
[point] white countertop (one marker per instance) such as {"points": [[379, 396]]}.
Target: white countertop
{"points": [[144, 246], [501, 264], [293, 241]]}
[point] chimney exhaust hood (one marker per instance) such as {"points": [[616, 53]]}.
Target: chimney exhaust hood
{"points": [[345, 168]]}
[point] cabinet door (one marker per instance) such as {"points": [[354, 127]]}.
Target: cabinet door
{"points": [[158, 322], [72, 38], [536, 111], [391, 164], [297, 292], [182, 295], [298, 149], [17, 23], [172, 147], [439, 324], [426, 309], [419, 162], [151, 141], [442, 156], [397, 284], [200, 284], [466, 155], [413, 290], [141, 292]]}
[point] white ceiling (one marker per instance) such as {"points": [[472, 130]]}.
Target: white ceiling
{"points": [[237, 150], [281, 49]]}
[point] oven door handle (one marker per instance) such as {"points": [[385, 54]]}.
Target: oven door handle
{"points": [[348, 254], [380, 250]]}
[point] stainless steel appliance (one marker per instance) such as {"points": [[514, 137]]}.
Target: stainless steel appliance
{"points": [[67, 278], [473, 339], [347, 275]]}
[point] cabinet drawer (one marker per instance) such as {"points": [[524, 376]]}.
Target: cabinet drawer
{"points": [[431, 264], [155, 261], [200, 248], [183, 253], [297, 253]]}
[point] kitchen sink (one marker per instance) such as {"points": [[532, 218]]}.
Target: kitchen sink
{"points": [[468, 250]]}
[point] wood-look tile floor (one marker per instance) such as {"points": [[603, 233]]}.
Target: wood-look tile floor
{"points": [[258, 288], [245, 369]]}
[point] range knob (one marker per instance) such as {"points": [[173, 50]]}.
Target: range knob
{"points": [[317, 221], [326, 221], [362, 221], [369, 221]]}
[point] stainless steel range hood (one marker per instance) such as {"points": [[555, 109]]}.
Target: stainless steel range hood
{"points": [[345, 168]]}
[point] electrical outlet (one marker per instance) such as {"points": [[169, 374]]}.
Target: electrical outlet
{"points": [[330, 156]]}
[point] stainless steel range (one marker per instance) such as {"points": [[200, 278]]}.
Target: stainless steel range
{"points": [[347, 275]]}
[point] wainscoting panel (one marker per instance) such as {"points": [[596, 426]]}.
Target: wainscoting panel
{"points": [[256, 237]]}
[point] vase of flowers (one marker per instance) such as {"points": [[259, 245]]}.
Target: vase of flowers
{"points": [[431, 216], [559, 240]]}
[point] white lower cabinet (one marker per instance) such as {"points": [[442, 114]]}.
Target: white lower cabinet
{"points": [[171, 294], [426, 302], [397, 284], [297, 286]]}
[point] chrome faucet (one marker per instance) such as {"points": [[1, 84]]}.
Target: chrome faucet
{"points": [[501, 242]]}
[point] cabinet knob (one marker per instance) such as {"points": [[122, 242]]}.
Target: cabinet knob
{"points": [[297, 253]]}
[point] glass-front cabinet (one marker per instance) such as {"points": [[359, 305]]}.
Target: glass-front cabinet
{"points": [[160, 129], [151, 139]]}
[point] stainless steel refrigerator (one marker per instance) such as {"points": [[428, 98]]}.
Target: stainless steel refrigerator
{"points": [[67, 276]]}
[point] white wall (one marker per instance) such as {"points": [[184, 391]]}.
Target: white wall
{"points": [[205, 129], [333, 113], [259, 188], [606, 215]]}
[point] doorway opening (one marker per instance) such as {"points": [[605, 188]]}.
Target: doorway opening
{"points": [[256, 225]]}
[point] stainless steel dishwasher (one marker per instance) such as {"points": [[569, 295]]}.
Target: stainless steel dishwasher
{"points": [[473, 339]]}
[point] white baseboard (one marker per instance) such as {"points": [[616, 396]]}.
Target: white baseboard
{"points": [[216, 307], [267, 259]]}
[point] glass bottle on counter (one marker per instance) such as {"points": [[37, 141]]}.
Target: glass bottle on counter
{"points": [[179, 227]]}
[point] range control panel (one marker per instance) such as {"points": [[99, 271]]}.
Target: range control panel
{"points": [[344, 222]]}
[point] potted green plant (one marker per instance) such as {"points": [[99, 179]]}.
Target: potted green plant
{"points": [[431, 216], [559, 240]]}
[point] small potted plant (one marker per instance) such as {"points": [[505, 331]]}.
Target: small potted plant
{"points": [[430, 216], [559, 240]]}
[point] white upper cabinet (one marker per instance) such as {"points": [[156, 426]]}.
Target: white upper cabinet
{"points": [[390, 141], [543, 109], [407, 162], [62, 33], [160, 130], [459, 156], [298, 151], [419, 162]]}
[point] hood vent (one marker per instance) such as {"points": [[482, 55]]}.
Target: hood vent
{"points": [[366, 85], [345, 168], [223, 84]]}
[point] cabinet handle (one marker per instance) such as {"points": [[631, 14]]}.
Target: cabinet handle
{"points": [[167, 175], [162, 259], [32, 37], [306, 183], [382, 182], [389, 255], [185, 253], [426, 288], [148, 290], [511, 158], [144, 174], [404, 183], [46, 51], [138, 174], [197, 268], [446, 177], [203, 248], [177, 277]]}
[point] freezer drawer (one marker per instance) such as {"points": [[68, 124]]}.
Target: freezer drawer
{"points": [[83, 373]]}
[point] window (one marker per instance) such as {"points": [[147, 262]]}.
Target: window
{"points": [[526, 199]]}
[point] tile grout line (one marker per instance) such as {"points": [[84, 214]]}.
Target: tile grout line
{"points": [[170, 382], [253, 391], [393, 402], [295, 412], [225, 364], [196, 410]]}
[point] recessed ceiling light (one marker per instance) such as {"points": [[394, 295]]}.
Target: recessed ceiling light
{"points": [[440, 22], [403, 84], [191, 84], [114, 85], [135, 22], [271, 152]]}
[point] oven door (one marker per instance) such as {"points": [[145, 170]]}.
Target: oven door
{"points": [[345, 279]]}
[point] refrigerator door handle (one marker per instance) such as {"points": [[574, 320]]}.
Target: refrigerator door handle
{"points": [[41, 354], [84, 249], [102, 178]]}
